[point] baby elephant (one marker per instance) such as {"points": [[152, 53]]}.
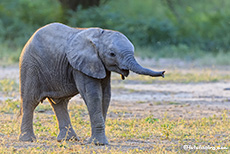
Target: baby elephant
{"points": [[59, 62]]}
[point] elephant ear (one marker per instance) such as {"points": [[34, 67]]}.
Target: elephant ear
{"points": [[82, 53]]}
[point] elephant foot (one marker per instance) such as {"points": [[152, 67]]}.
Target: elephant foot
{"points": [[27, 137], [99, 140], [66, 135]]}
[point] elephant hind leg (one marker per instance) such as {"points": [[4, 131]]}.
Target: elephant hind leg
{"points": [[66, 131], [30, 92], [26, 132]]}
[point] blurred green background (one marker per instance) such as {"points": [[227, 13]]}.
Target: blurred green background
{"points": [[158, 28]]}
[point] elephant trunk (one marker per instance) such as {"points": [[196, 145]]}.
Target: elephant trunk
{"points": [[135, 67]]}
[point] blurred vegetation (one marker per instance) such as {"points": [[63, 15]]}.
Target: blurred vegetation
{"points": [[164, 27]]}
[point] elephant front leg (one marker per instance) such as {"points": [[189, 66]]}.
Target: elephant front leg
{"points": [[94, 105], [66, 131], [106, 90], [91, 91]]}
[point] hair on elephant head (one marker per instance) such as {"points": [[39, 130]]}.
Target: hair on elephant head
{"points": [[59, 62]]}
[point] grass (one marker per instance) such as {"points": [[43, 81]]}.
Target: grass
{"points": [[127, 135], [8, 87], [186, 53], [176, 76], [9, 55], [127, 132], [219, 58]]}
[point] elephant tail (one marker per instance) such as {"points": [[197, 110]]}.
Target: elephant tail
{"points": [[19, 112]]}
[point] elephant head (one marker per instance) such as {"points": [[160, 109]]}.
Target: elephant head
{"points": [[94, 50]]}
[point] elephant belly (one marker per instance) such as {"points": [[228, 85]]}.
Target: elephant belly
{"points": [[57, 82], [56, 86]]}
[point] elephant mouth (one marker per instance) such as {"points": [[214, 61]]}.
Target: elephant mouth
{"points": [[124, 73]]}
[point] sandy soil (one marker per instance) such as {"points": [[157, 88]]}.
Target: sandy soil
{"points": [[183, 100]]}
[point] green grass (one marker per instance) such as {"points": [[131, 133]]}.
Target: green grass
{"points": [[9, 55], [186, 53], [176, 76], [10, 106], [220, 58], [170, 51], [206, 76], [8, 87], [43, 107], [8, 90], [126, 135]]}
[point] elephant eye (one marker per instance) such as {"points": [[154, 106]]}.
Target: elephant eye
{"points": [[112, 54]]}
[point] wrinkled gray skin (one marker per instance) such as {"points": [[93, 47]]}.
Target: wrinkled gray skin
{"points": [[59, 62]]}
